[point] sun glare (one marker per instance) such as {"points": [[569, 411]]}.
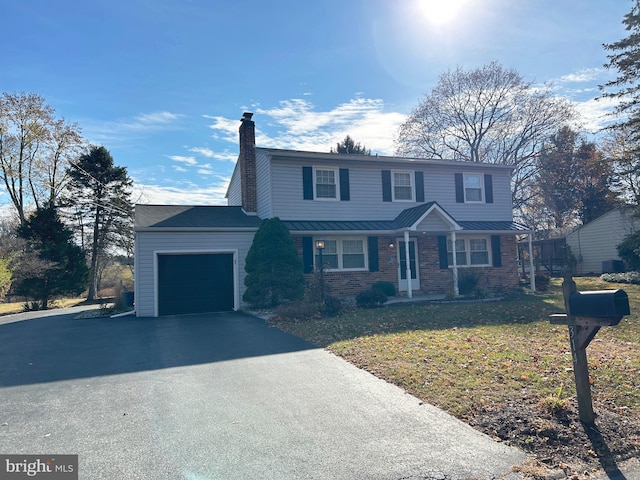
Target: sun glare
{"points": [[440, 12]]}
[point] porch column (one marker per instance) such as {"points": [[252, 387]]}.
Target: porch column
{"points": [[408, 263], [456, 291], [532, 273]]}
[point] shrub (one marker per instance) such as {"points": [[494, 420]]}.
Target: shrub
{"points": [[542, 281], [370, 298], [388, 288], [332, 306], [629, 251], [468, 282], [301, 310], [626, 277]]}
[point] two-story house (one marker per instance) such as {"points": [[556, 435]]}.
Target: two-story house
{"points": [[413, 222]]}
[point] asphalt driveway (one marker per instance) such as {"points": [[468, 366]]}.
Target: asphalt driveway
{"points": [[218, 396]]}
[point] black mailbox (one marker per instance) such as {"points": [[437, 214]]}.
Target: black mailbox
{"points": [[612, 304]]}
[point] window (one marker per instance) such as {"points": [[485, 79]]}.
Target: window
{"points": [[342, 254], [473, 188], [469, 252], [325, 183], [403, 186]]}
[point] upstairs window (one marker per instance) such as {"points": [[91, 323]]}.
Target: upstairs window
{"points": [[403, 186], [325, 183], [473, 188]]}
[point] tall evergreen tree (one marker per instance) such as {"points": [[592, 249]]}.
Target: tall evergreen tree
{"points": [[626, 86], [348, 145], [101, 197], [51, 264], [274, 270]]}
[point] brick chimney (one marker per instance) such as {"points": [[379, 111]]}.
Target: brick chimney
{"points": [[247, 159]]}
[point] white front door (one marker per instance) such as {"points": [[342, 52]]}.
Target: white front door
{"points": [[402, 265]]}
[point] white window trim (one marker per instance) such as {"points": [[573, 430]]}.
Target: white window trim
{"points": [[337, 184], [467, 250], [339, 250], [464, 187], [412, 177]]}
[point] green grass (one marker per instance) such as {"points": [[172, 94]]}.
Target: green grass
{"points": [[463, 356]]}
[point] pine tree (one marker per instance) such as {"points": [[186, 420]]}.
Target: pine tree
{"points": [[51, 263], [274, 269]]}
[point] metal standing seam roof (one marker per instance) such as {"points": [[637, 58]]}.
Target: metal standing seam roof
{"points": [[204, 217]]}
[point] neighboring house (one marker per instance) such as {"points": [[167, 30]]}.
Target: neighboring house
{"points": [[594, 244], [381, 218]]}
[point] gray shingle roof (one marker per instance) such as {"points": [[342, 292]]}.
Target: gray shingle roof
{"points": [[183, 216]]}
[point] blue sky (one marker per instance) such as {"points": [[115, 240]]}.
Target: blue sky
{"points": [[162, 84]]}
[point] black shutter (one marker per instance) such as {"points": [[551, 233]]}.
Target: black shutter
{"points": [[374, 264], [495, 250], [459, 188], [419, 187], [307, 183], [442, 251], [488, 188], [386, 185], [307, 254], [344, 184]]}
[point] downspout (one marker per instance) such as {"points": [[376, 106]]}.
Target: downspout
{"points": [[532, 274], [456, 290], [408, 264]]}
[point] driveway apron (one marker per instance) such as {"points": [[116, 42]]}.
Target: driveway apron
{"points": [[218, 396]]}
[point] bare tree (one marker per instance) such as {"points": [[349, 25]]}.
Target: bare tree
{"points": [[34, 147], [486, 115]]}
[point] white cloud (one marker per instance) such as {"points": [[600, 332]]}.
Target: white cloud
{"points": [[298, 125], [582, 76], [207, 152], [127, 129], [183, 159], [595, 114], [187, 194]]}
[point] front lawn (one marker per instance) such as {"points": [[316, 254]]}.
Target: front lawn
{"points": [[480, 360]]}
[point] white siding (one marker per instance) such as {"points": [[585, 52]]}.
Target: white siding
{"points": [[234, 192], [148, 243], [366, 203], [596, 241], [263, 185]]}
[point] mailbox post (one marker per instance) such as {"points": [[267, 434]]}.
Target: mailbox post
{"points": [[586, 313]]}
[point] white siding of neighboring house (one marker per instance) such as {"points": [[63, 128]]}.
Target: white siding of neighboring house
{"points": [[149, 243], [596, 241], [366, 203]]}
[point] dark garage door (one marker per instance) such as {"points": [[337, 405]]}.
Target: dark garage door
{"points": [[195, 283]]}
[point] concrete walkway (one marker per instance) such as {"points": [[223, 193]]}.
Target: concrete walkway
{"points": [[220, 396]]}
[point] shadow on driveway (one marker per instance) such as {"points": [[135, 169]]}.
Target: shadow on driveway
{"points": [[62, 347]]}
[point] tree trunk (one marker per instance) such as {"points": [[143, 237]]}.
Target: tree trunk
{"points": [[93, 269]]}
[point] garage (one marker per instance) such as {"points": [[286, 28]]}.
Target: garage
{"points": [[195, 283]]}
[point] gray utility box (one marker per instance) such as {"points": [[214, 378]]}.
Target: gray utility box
{"points": [[609, 306]]}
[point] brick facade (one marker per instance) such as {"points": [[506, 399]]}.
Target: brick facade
{"points": [[433, 279]]}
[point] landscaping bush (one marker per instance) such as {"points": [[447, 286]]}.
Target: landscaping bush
{"points": [[298, 311], [468, 282], [388, 288], [542, 282], [332, 306], [626, 277], [370, 298]]}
